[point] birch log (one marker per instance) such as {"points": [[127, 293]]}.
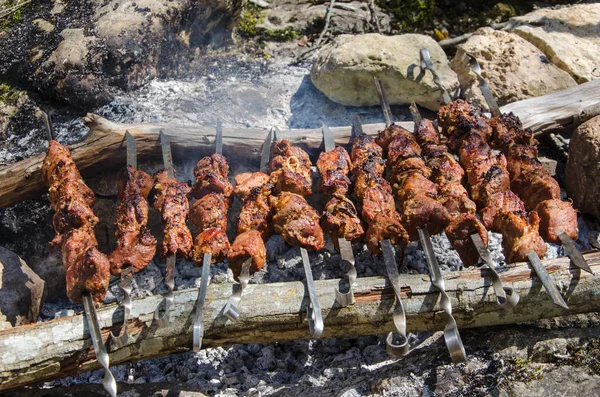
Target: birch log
{"points": [[276, 313]]}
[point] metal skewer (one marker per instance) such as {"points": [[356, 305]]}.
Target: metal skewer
{"points": [[483, 85], [574, 253], [126, 272], [198, 332], [402, 348], [170, 268], [451, 334], [313, 310], [425, 61], [343, 298], [108, 381], [385, 106], [506, 297], [231, 310]]}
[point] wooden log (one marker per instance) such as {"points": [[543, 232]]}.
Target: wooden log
{"points": [[276, 313], [104, 147], [564, 109]]}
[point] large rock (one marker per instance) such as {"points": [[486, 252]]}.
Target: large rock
{"points": [[345, 68], [583, 167], [514, 68], [22, 292], [569, 36]]}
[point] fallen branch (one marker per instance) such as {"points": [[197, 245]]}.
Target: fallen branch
{"points": [[275, 313]]}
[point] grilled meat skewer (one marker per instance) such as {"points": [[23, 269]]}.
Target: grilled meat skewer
{"points": [[88, 270], [378, 207], [135, 245], [170, 200], [447, 173], [340, 218]]}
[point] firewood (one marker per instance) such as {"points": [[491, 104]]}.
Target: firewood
{"points": [[276, 313]]}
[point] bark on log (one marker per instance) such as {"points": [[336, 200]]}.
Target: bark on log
{"points": [[276, 313], [104, 147]]}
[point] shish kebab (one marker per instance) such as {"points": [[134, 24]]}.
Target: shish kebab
{"points": [[170, 200], [422, 213], [209, 214], [248, 253], [340, 218], [135, 245], [529, 180], [293, 217], [384, 222], [87, 269]]}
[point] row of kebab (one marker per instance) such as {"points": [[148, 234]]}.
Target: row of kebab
{"points": [[514, 194], [465, 174]]}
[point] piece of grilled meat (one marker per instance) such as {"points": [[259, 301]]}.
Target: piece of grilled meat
{"points": [[135, 244], [290, 169], [212, 173], [247, 245], [213, 241], [247, 181], [297, 221], [87, 269], [170, 200], [256, 211], [334, 167]]}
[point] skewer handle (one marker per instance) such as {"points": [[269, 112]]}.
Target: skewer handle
{"points": [[231, 310], [425, 60], [109, 382], [399, 316], [314, 315], [451, 334], [574, 253]]}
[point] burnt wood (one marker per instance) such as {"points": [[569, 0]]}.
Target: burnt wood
{"points": [[276, 313], [104, 147]]}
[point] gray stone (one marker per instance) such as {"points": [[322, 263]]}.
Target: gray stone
{"points": [[22, 292], [569, 36], [345, 68], [514, 68], [582, 174]]}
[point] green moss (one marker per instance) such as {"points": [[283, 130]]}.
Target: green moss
{"points": [[280, 35], [521, 370], [13, 18], [410, 15], [251, 17], [8, 94], [254, 16]]}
